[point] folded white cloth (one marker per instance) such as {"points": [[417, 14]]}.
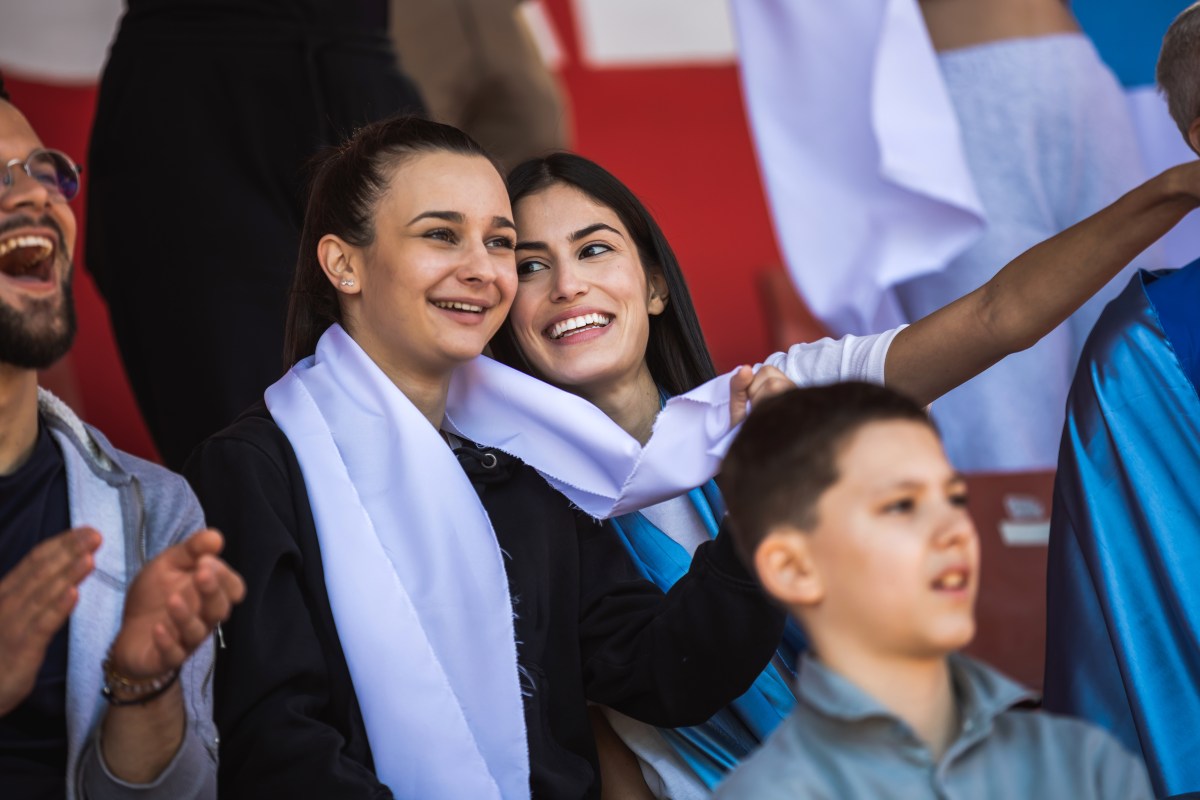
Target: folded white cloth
{"points": [[579, 450]]}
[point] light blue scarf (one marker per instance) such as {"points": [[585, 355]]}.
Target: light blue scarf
{"points": [[716, 746]]}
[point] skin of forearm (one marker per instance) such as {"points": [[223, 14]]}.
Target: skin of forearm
{"points": [[1043, 286], [1037, 290], [138, 742]]}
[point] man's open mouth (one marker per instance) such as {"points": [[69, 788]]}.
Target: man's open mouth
{"points": [[28, 257]]}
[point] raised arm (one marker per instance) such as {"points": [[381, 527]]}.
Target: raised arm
{"points": [[1037, 290]]}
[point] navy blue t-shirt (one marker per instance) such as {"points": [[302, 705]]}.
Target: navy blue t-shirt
{"points": [[33, 736]]}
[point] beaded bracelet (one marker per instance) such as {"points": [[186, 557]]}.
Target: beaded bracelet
{"points": [[142, 690]]}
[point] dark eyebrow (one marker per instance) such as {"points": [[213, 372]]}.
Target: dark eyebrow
{"points": [[574, 237], [449, 216], [590, 229], [909, 483], [459, 219]]}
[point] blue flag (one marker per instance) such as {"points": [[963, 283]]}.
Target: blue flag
{"points": [[1123, 593]]}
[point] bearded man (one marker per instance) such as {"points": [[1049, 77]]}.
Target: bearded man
{"points": [[107, 605]]}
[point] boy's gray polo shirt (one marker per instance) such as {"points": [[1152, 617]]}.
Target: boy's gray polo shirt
{"points": [[840, 743]]}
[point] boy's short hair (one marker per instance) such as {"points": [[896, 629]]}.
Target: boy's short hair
{"points": [[786, 454], [1178, 71]]}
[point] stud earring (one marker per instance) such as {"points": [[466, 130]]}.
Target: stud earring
{"points": [[347, 281]]}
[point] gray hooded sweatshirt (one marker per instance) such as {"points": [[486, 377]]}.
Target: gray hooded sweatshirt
{"points": [[140, 509]]}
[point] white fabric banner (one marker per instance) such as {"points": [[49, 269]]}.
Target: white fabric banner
{"points": [[859, 150]]}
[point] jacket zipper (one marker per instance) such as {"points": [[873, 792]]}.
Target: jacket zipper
{"points": [[140, 519], [144, 555]]}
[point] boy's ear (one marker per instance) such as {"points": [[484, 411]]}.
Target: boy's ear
{"points": [[785, 566], [1193, 135]]}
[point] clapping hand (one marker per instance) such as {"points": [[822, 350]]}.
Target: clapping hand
{"points": [[173, 605], [36, 597]]}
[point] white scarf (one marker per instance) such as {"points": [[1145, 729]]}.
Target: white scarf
{"points": [[413, 571], [579, 450]]}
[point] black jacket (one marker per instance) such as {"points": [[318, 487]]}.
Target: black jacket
{"points": [[588, 626]]}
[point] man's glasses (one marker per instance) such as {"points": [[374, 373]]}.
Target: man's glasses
{"points": [[54, 170]]}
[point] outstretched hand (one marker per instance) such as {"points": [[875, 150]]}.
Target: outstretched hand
{"points": [[750, 387], [36, 597], [174, 604]]}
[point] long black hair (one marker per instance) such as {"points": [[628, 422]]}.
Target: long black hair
{"points": [[347, 183], [676, 354]]}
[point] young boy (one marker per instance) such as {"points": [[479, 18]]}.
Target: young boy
{"points": [[843, 500]]}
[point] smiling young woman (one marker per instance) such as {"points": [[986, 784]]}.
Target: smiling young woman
{"points": [[432, 284]]}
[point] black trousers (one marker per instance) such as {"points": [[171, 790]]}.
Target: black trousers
{"points": [[196, 188]]}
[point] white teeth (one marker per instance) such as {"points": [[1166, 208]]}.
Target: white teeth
{"points": [[457, 306], [561, 329], [17, 242]]}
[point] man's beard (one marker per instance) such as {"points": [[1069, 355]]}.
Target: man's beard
{"points": [[41, 334]]}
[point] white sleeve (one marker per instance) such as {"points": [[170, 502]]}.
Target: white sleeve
{"points": [[851, 358]]}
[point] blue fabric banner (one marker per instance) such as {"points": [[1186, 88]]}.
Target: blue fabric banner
{"points": [[1123, 594]]}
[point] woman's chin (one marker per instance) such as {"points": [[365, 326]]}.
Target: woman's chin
{"points": [[588, 384]]}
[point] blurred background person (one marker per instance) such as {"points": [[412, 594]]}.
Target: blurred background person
{"points": [[207, 113], [479, 69]]}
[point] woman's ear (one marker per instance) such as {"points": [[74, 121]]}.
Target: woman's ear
{"points": [[339, 261], [656, 303], [785, 566]]}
